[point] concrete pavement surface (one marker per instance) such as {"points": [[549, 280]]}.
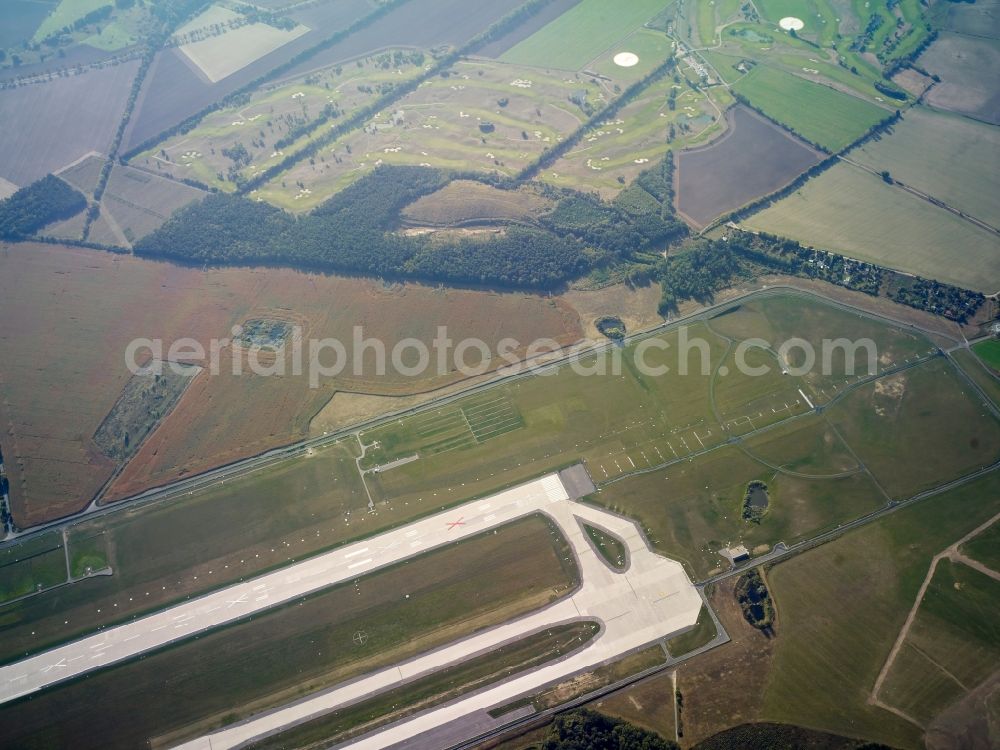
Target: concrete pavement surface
{"points": [[652, 599]]}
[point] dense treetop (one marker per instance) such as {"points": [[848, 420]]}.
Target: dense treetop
{"points": [[40, 203]]}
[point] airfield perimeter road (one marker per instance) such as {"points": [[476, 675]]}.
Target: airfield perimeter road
{"points": [[652, 599], [541, 364]]}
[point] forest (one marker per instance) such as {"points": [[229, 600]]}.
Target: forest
{"points": [[40, 203], [353, 232]]}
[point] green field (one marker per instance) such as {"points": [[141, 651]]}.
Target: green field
{"points": [[972, 366], [850, 211], [949, 157], [818, 113], [34, 565], [284, 653], [65, 14], [918, 428], [197, 542], [989, 353], [952, 646], [841, 606], [985, 547], [581, 34], [702, 633]]}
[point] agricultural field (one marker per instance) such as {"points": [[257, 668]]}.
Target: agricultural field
{"points": [[483, 116], [614, 152], [851, 211], [236, 142], [538, 21], [35, 141], [305, 646], [219, 55], [418, 24], [134, 203], [816, 112], [592, 27], [978, 19], [175, 89], [753, 158], [64, 368], [841, 607], [952, 645], [967, 86], [85, 173], [949, 157], [140, 202]]}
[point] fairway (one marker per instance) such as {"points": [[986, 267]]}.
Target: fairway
{"points": [[818, 113], [850, 211], [581, 34]]}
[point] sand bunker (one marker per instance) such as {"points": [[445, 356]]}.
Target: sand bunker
{"points": [[626, 59], [791, 23]]}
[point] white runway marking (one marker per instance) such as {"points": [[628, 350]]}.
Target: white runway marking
{"points": [[359, 564]]}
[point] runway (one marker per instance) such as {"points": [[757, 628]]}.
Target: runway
{"points": [[651, 599]]}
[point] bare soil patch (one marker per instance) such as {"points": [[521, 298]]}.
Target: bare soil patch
{"points": [[754, 157]]}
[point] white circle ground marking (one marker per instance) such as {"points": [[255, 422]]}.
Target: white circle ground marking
{"points": [[626, 59], [791, 23]]}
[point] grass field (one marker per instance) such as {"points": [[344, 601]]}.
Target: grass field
{"points": [[840, 608], [818, 113], [989, 353], [483, 116], [704, 631], [985, 547], [476, 673], [610, 547], [850, 211], [32, 566], [974, 367], [580, 34], [943, 155], [296, 649], [952, 646], [64, 14], [66, 362], [918, 428], [469, 202]]}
